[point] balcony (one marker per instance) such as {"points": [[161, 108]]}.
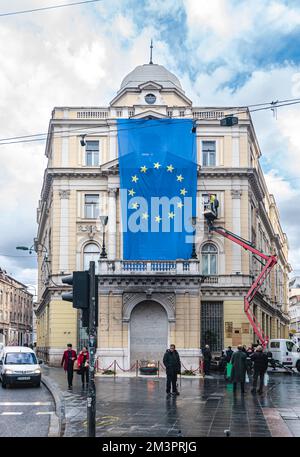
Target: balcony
{"points": [[149, 267], [227, 281]]}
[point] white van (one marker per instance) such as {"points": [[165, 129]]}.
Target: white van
{"points": [[19, 365], [286, 352]]}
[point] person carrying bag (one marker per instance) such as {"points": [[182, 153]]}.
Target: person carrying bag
{"points": [[83, 366]]}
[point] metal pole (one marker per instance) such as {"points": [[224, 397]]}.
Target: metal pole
{"points": [[91, 398]]}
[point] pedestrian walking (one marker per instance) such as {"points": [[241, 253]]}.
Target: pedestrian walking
{"points": [[67, 362], [172, 363], [228, 354], [239, 366], [83, 365], [206, 359], [260, 362]]}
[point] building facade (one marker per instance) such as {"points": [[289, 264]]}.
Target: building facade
{"points": [[16, 305], [294, 307], [145, 305]]}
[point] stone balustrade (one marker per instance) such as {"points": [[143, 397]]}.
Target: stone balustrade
{"points": [[117, 267]]}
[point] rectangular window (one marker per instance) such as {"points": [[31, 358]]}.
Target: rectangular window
{"points": [[119, 113], [92, 153], [212, 325], [205, 201], [91, 206], [181, 113], [208, 153]]}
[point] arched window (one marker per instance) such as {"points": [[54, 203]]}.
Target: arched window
{"points": [[91, 252], [209, 259]]}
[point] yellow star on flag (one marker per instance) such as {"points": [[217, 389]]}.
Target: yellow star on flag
{"points": [[180, 178], [171, 215], [157, 165], [179, 205], [134, 178], [135, 205], [170, 168], [143, 169], [183, 191], [145, 216], [131, 192], [158, 219]]}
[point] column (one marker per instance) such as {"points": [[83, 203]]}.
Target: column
{"points": [[112, 224], [112, 145], [236, 149], [64, 231], [236, 228]]}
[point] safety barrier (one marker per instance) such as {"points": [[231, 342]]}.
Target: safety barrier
{"points": [[137, 365]]}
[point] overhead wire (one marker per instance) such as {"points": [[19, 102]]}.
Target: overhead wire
{"points": [[31, 138], [13, 13]]}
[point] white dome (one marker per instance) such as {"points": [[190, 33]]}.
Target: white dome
{"points": [[151, 72]]}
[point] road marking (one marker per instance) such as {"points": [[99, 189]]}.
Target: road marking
{"points": [[25, 403], [44, 412], [10, 413]]}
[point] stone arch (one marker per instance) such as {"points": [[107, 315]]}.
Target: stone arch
{"points": [[148, 331], [130, 301]]}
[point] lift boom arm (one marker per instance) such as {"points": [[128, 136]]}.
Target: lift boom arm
{"points": [[271, 261]]}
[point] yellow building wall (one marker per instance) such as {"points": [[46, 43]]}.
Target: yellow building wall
{"points": [[63, 328], [236, 320]]}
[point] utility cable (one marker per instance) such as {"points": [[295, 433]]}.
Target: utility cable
{"points": [[13, 13], [57, 134], [5, 141]]}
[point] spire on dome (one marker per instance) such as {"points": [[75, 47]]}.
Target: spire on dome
{"points": [[151, 47]]}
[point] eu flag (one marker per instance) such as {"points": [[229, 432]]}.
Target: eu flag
{"points": [[158, 180]]}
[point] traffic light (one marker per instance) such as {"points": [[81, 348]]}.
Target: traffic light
{"points": [[80, 295], [229, 121]]}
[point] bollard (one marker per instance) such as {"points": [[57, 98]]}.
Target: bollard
{"points": [[137, 368], [115, 368]]}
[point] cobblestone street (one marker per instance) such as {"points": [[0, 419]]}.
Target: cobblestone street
{"points": [[206, 407]]}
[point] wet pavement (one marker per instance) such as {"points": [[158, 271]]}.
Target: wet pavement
{"points": [[205, 407], [25, 411]]}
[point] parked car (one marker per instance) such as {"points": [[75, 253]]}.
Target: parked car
{"points": [[19, 365]]}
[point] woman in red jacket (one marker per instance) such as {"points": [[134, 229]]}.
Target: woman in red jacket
{"points": [[83, 365]]}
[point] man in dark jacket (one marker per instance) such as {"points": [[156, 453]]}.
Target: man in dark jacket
{"points": [[206, 359], [228, 354], [260, 362], [239, 366], [67, 362], [172, 363]]}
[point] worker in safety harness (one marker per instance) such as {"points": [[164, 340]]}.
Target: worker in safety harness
{"points": [[211, 208]]}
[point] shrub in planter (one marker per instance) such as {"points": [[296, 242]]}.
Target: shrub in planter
{"points": [[109, 372], [188, 373]]}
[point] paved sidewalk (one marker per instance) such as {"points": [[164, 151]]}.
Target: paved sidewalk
{"points": [[206, 407]]}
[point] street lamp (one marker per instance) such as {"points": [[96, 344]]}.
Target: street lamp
{"points": [[33, 248], [194, 254], [103, 220]]}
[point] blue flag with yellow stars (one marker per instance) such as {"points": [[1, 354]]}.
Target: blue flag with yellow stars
{"points": [[158, 184]]}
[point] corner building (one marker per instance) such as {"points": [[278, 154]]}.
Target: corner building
{"points": [[146, 305]]}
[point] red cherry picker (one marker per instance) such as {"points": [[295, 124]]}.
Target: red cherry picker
{"points": [[268, 262]]}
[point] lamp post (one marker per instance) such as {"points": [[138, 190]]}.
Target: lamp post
{"points": [[194, 254], [34, 247], [103, 220]]}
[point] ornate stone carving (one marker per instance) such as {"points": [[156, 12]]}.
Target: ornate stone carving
{"points": [[167, 301], [91, 229], [64, 193], [112, 191], [236, 193]]}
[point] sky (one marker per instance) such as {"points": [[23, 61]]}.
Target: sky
{"points": [[225, 52]]}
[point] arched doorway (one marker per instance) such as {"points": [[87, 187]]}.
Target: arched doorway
{"points": [[148, 332]]}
